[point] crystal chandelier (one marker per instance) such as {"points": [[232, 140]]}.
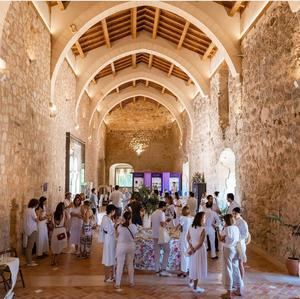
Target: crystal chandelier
{"points": [[139, 142]]}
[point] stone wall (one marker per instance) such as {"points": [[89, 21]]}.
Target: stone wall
{"points": [[32, 148], [163, 154], [269, 163]]}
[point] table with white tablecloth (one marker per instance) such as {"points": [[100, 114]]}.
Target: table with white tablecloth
{"points": [[13, 264], [144, 253]]}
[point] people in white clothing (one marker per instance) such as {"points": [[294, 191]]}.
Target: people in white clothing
{"points": [[158, 219], [192, 203], [244, 234], [107, 236], [232, 203], [212, 221], [30, 228], [126, 233], [197, 252], [170, 212], [59, 234], [221, 203], [230, 237], [68, 205], [42, 244], [94, 201], [185, 221], [116, 198], [76, 223]]}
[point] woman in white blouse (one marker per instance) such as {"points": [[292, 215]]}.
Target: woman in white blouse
{"points": [[126, 233], [230, 237]]}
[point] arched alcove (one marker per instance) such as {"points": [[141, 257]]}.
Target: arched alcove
{"points": [[226, 180], [118, 169]]}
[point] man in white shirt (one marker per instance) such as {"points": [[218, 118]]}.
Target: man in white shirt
{"points": [[94, 201], [212, 221], [244, 233], [232, 203], [192, 203], [116, 198], [158, 219]]}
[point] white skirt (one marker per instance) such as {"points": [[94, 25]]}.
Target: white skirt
{"points": [[75, 230], [198, 264], [42, 244], [184, 258], [109, 251], [57, 246]]}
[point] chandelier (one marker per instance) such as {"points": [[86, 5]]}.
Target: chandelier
{"points": [[139, 142]]}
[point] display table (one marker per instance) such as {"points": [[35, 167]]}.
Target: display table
{"points": [[144, 253], [13, 264]]}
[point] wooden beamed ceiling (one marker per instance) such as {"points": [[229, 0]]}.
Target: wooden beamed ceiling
{"points": [[233, 7], [144, 58], [142, 82], [156, 21]]}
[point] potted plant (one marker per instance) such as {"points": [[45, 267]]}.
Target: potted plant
{"points": [[293, 260]]}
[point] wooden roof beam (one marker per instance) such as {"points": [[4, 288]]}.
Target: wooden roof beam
{"points": [[105, 32], [94, 81], [189, 81], [133, 22], [150, 61], [133, 57], [183, 34], [117, 89], [121, 106], [60, 5], [134, 99], [134, 83], [235, 8], [79, 49], [170, 70], [147, 83], [208, 51], [113, 68], [156, 21], [163, 90]]}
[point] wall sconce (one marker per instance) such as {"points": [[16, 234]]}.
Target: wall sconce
{"points": [[53, 109], [2, 65], [76, 127], [297, 83]]}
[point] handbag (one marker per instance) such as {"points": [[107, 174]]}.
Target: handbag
{"points": [[61, 236], [163, 235]]}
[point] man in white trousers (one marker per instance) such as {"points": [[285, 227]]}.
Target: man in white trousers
{"points": [[158, 219]]}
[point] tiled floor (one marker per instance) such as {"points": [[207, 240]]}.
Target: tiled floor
{"points": [[83, 279]]}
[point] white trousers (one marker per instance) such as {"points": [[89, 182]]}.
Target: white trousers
{"points": [[125, 252], [157, 248], [212, 238], [231, 273]]}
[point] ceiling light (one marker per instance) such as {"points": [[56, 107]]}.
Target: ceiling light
{"points": [[297, 83]]}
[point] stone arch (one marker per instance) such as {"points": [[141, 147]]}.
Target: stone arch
{"points": [[173, 84], [202, 17], [113, 100]]}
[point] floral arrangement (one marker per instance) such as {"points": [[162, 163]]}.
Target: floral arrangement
{"points": [[198, 177], [149, 200]]}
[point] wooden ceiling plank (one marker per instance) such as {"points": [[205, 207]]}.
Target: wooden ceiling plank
{"points": [[170, 70], [113, 68], [79, 49], [134, 83], [184, 32], [208, 51], [117, 89], [105, 32], [163, 90], [150, 61], [61, 5], [147, 83], [235, 8], [133, 22], [156, 21], [134, 60]]}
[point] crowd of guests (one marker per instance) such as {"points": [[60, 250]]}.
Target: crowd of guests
{"points": [[202, 225]]}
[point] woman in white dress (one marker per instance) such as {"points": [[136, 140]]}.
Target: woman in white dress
{"points": [[197, 250], [59, 235], [231, 275], [42, 243], [107, 235], [185, 222], [126, 233], [75, 223]]}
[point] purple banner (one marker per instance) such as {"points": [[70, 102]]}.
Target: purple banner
{"points": [[147, 179]]}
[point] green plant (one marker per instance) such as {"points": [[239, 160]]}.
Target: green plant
{"points": [[293, 250], [148, 200]]}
